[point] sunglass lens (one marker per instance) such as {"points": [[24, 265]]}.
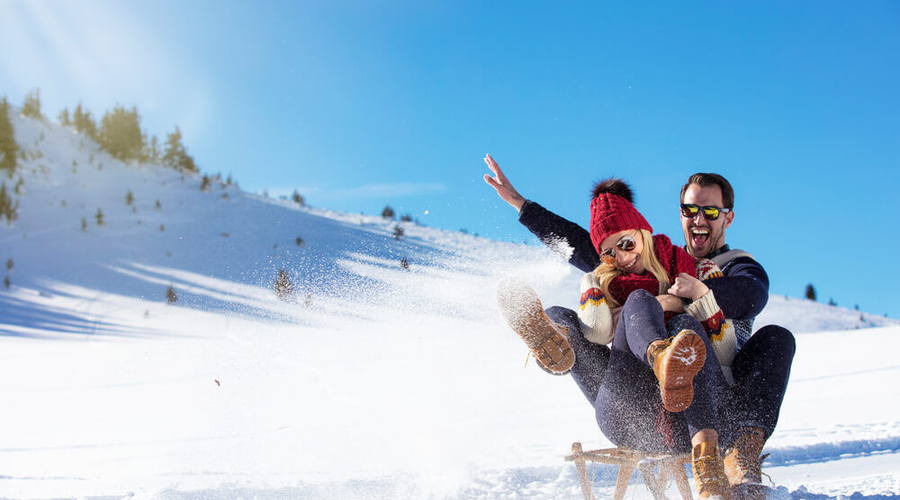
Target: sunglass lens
{"points": [[626, 243], [608, 257], [711, 213], [689, 210]]}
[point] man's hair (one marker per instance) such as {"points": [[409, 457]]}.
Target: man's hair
{"points": [[707, 180]]}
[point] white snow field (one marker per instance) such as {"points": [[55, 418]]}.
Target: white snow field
{"points": [[370, 381]]}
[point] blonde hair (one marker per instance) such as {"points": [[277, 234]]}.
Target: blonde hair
{"points": [[606, 273]]}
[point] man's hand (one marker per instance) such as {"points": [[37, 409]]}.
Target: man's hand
{"points": [[688, 287], [670, 303], [502, 185]]}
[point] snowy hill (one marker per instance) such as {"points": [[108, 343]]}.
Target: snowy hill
{"points": [[374, 379]]}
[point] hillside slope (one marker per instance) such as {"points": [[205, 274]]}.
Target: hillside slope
{"points": [[371, 381]]}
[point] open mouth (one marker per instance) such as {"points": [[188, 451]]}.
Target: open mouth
{"points": [[699, 236], [629, 266]]}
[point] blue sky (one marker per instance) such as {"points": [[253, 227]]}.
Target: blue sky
{"points": [[359, 104]]}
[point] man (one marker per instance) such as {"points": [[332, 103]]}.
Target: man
{"points": [[761, 367]]}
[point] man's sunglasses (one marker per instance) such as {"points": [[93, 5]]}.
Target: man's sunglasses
{"points": [[690, 210], [626, 244]]}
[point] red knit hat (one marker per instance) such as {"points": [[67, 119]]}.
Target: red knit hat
{"points": [[612, 211]]}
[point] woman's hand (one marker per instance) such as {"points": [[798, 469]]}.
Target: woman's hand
{"points": [[670, 303], [688, 287], [502, 185]]}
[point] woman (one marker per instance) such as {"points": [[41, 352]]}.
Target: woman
{"points": [[655, 389]]}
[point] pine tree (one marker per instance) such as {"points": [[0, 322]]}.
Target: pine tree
{"points": [[398, 232], [297, 197], [84, 123], [153, 153], [99, 217], [284, 289], [176, 156], [64, 117], [9, 148], [9, 209], [810, 292], [129, 198], [120, 133], [32, 104], [388, 212]]}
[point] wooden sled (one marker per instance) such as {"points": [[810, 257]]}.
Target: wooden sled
{"points": [[627, 460]]}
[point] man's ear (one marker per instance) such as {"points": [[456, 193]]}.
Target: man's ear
{"points": [[728, 218]]}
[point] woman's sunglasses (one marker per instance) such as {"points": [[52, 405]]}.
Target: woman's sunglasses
{"points": [[626, 244], [689, 210]]}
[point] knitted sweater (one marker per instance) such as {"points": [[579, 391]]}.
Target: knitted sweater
{"points": [[596, 316]]}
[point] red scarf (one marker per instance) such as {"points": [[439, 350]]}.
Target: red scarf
{"points": [[673, 259]]}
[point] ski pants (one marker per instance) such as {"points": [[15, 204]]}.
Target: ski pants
{"points": [[620, 383]]}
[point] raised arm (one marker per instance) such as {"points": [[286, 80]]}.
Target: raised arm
{"points": [[550, 228]]}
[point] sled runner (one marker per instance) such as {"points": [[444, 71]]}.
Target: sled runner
{"points": [[655, 467]]}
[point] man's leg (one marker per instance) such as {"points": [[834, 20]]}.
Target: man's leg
{"points": [[590, 359], [761, 371]]}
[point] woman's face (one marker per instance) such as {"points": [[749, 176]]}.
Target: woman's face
{"points": [[628, 261]]}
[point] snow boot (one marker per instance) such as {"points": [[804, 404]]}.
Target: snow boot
{"points": [[743, 466], [524, 313], [675, 362], [709, 472]]}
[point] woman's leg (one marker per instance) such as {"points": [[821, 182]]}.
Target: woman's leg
{"points": [[702, 417], [628, 406], [591, 359], [709, 383]]}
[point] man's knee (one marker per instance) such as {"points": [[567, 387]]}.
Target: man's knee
{"points": [[775, 338]]}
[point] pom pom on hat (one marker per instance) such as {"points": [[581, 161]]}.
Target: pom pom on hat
{"points": [[612, 211]]}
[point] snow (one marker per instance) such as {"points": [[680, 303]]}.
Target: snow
{"points": [[373, 381]]}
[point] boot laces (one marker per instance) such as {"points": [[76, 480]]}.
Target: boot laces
{"points": [[709, 474]]}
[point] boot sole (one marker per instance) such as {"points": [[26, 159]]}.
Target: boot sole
{"points": [[687, 354], [524, 313]]}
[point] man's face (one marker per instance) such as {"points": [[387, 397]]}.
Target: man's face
{"points": [[704, 236]]}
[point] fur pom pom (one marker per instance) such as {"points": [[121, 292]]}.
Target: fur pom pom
{"points": [[614, 186]]}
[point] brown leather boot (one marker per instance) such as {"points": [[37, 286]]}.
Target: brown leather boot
{"points": [[675, 363], [743, 466], [709, 472], [524, 313]]}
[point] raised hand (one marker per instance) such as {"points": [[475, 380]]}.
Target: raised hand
{"points": [[502, 185]]}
